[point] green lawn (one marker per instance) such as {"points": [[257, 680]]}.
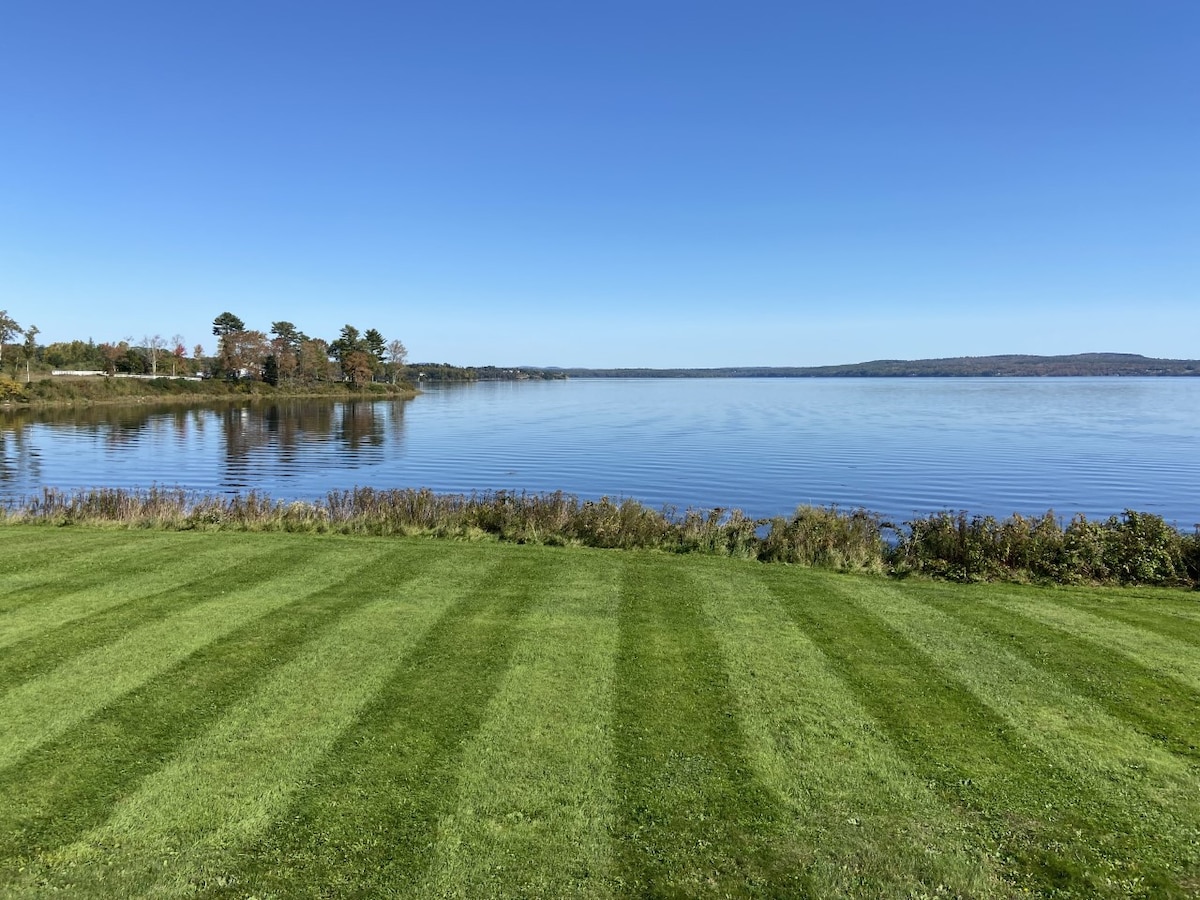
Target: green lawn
{"points": [[270, 715]]}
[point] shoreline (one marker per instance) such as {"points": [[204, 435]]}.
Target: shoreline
{"points": [[190, 398], [1134, 548]]}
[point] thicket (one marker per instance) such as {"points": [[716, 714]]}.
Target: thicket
{"points": [[11, 391], [98, 390], [1133, 548]]}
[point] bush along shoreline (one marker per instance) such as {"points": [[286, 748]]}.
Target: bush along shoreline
{"points": [[86, 391], [1134, 548]]}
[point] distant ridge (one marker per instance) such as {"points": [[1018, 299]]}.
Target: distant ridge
{"points": [[1007, 366]]}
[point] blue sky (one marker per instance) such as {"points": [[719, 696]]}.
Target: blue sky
{"points": [[609, 184]]}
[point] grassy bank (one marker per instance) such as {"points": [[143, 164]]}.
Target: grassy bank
{"points": [[275, 715], [69, 391], [1134, 548]]}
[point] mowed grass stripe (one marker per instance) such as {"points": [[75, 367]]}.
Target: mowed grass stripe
{"points": [[18, 539], [195, 578], [1164, 655], [364, 823], [866, 822], [535, 797], [225, 787], [1171, 604], [1031, 812], [68, 575], [71, 784], [693, 819], [1162, 709], [1168, 623], [1113, 769], [57, 556], [26, 565], [44, 707], [112, 580]]}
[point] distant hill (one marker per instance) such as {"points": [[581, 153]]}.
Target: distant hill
{"points": [[1080, 364]]}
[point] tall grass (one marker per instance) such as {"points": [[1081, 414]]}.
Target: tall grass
{"points": [[827, 538], [1133, 548], [553, 518]]}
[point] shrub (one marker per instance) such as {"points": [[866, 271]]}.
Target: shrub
{"points": [[1136, 548], [1189, 557], [826, 538], [11, 391], [1141, 548]]}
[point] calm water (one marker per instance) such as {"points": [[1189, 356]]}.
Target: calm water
{"points": [[899, 446]]}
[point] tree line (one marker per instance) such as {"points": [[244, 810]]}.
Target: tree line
{"points": [[289, 356], [283, 356]]}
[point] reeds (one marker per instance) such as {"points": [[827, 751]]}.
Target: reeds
{"points": [[1133, 548], [827, 538], [551, 518]]}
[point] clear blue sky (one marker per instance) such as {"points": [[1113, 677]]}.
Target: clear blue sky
{"points": [[609, 184]]}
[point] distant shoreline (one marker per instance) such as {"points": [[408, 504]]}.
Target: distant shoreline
{"points": [[1008, 366]]}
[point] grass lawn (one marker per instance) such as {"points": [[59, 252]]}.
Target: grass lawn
{"points": [[269, 715]]}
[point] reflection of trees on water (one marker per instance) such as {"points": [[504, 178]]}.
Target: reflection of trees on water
{"points": [[361, 426], [294, 424], [284, 428], [118, 425], [19, 459], [260, 443], [279, 440], [395, 421]]}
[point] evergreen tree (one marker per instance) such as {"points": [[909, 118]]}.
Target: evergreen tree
{"points": [[227, 323], [228, 328], [349, 341], [374, 344]]}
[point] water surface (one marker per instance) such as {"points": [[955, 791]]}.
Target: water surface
{"points": [[899, 446]]}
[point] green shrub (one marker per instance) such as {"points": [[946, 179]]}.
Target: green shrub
{"points": [[1135, 548], [11, 391], [1189, 557], [1141, 548], [826, 538]]}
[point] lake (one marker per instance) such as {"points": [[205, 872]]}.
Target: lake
{"points": [[897, 446]]}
